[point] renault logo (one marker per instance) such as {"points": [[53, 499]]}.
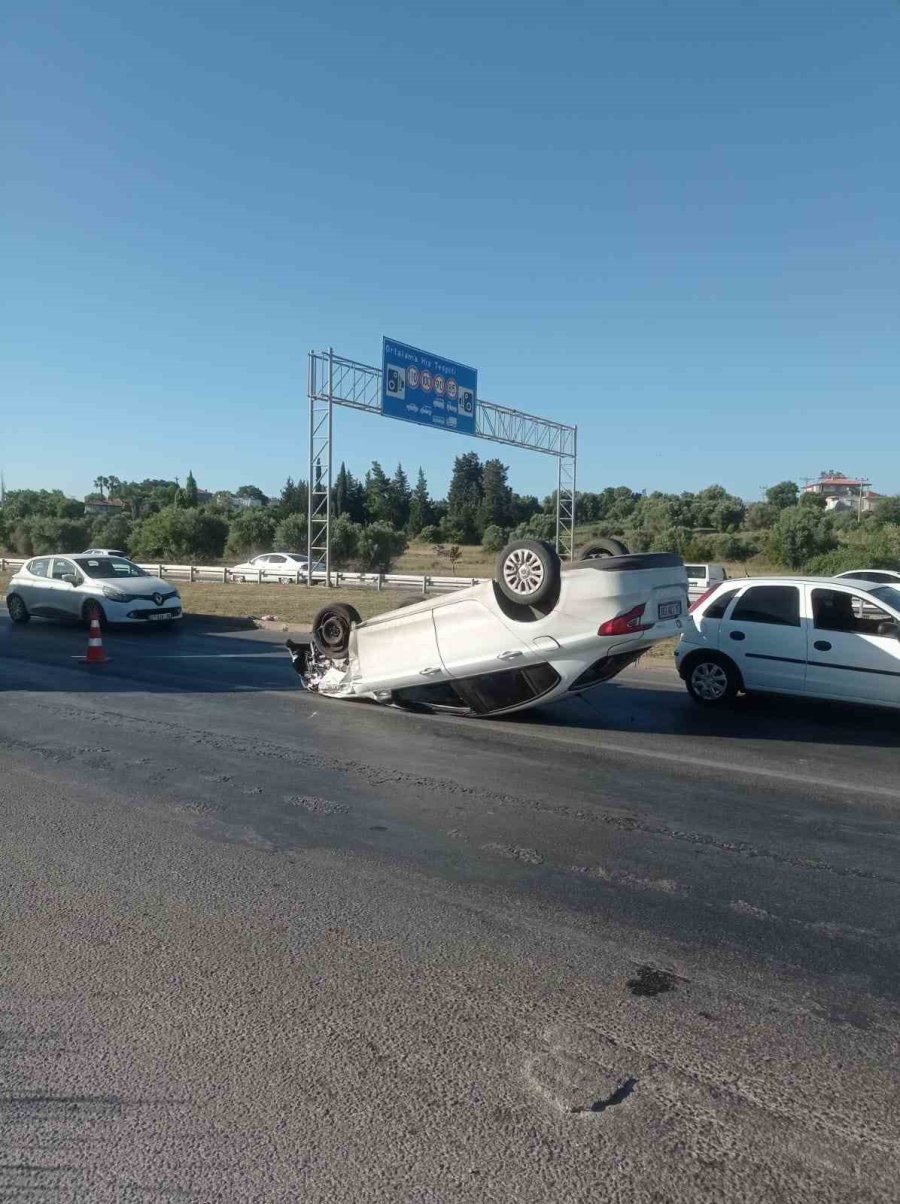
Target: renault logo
{"points": [[158, 599]]}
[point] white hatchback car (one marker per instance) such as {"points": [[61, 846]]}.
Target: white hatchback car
{"points": [[537, 632], [271, 566], [72, 587], [818, 637], [875, 576]]}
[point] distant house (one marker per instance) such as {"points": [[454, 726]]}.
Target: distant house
{"points": [[844, 493], [233, 502], [103, 506]]}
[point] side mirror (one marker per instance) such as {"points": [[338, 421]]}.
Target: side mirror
{"points": [[70, 579], [889, 629]]}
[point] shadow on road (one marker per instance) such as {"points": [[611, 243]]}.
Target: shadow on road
{"points": [[202, 654], [640, 708]]}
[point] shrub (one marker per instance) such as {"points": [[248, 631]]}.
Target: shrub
{"points": [[176, 534], [493, 539], [431, 534], [799, 534], [290, 534], [379, 545], [251, 531], [344, 541]]}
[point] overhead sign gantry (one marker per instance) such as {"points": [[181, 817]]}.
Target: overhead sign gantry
{"points": [[430, 390]]}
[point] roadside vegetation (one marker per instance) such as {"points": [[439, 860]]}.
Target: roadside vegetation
{"points": [[384, 523]]}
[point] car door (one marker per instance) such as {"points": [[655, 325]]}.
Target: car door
{"points": [[66, 598], [277, 567], [471, 640], [399, 650], [765, 635], [36, 590], [854, 648]]}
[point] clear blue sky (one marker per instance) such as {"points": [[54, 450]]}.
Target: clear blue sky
{"points": [[674, 222]]}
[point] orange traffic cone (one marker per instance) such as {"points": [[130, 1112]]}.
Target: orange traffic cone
{"points": [[95, 653]]}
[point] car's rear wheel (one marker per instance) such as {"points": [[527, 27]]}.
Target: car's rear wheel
{"points": [[712, 681], [604, 547], [331, 629], [18, 611], [528, 572]]}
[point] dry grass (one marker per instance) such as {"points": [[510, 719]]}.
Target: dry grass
{"points": [[288, 603], [420, 558]]}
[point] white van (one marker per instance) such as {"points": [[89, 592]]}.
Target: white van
{"points": [[702, 577]]}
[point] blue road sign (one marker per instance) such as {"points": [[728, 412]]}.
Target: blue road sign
{"points": [[420, 387]]}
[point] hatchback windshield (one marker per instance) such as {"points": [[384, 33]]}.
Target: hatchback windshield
{"points": [[110, 566], [887, 593]]}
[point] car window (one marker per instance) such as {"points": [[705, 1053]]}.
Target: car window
{"points": [[260, 560], [105, 567], [276, 560], [719, 604], [836, 610], [889, 594], [777, 605], [39, 568], [695, 570], [62, 568]]}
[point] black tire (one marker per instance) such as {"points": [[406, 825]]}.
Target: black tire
{"points": [[712, 681], [18, 611], [604, 547], [331, 629], [528, 572], [88, 609]]}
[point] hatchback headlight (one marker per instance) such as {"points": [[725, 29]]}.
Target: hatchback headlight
{"points": [[114, 595]]}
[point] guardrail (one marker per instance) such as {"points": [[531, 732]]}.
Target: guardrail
{"points": [[423, 582]]}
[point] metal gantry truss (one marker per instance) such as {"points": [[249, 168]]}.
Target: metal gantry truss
{"points": [[336, 381]]}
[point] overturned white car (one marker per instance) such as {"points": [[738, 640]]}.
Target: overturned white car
{"points": [[538, 631]]}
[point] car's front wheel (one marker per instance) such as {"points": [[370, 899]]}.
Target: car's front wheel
{"points": [[91, 608], [332, 627], [712, 681], [18, 611], [528, 572]]}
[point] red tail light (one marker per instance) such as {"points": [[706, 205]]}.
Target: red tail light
{"points": [[626, 624], [693, 606]]}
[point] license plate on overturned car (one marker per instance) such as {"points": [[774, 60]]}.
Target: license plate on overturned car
{"points": [[669, 610]]}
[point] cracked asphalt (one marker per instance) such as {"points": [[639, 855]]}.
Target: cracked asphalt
{"points": [[257, 946]]}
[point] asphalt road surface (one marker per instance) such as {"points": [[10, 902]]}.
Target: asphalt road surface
{"points": [[257, 946]]}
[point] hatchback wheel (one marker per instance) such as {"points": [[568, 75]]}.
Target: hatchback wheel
{"points": [[18, 611], [712, 682]]}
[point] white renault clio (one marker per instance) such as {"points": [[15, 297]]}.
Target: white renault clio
{"points": [[817, 637], [72, 587]]}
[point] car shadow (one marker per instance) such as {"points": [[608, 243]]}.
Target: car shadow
{"points": [[622, 706], [200, 654]]}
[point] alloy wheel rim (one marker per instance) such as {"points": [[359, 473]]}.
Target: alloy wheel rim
{"points": [[523, 571], [710, 681]]}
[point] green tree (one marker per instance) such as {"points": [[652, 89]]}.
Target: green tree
{"points": [[464, 498], [760, 516], [290, 534], [401, 498], [420, 509], [189, 492], [888, 510], [799, 533], [379, 508], [100, 484], [181, 535], [56, 534], [379, 545], [251, 532], [783, 496], [496, 507], [344, 541], [812, 501], [430, 534], [295, 497], [113, 532], [251, 491], [494, 538]]}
